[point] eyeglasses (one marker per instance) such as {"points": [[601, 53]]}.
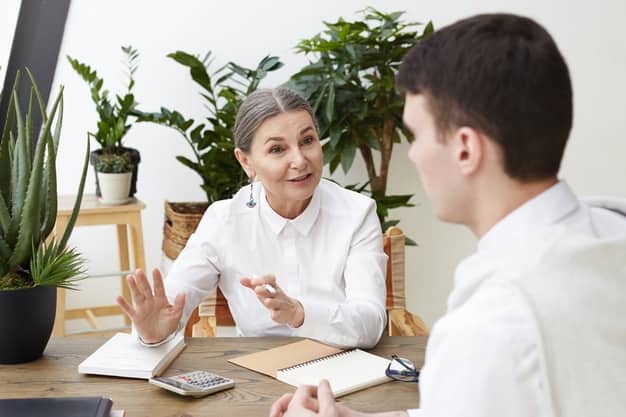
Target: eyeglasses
{"points": [[401, 369]]}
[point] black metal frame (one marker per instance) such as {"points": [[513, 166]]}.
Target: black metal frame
{"points": [[36, 44]]}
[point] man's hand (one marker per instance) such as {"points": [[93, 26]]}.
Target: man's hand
{"points": [[309, 401]]}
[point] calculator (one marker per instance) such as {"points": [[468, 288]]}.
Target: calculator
{"points": [[194, 384]]}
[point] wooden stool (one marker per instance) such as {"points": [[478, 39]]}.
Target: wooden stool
{"points": [[93, 213]]}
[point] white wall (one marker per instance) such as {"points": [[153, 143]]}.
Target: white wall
{"points": [[9, 10], [591, 38]]}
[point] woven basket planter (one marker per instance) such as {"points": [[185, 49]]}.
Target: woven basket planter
{"points": [[181, 220]]}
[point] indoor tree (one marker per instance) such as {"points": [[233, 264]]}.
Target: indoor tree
{"points": [[350, 81]]}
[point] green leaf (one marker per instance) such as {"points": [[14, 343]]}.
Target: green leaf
{"points": [[330, 103], [5, 253], [5, 216], [197, 69], [428, 29], [53, 265], [79, 197], [5, 154], [347, 156], [49, 188], [21, 163]]}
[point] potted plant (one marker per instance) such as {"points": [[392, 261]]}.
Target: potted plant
{"points": [[350, 81], [114, 172], [32, 263], [211, 141], [114, 115]]}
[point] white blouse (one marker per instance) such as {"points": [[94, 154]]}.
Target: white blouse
{"points": [[330, 258], [484, 356]]}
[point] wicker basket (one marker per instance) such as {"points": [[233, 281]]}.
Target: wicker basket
{"points": [[181, 220]]}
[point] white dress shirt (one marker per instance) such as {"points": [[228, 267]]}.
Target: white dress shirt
{"points": [[485, 357], [330, 258]]}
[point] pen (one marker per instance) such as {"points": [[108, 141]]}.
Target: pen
{"points": [[269, 288]]}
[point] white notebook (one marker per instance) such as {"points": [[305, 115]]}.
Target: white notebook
{"points": [[122, 355], [347, 371]]}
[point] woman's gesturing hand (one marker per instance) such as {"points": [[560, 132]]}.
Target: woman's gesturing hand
{"points": [[284, 309], [152, 314]]}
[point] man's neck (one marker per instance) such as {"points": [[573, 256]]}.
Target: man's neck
{"points": [[501, 200]]}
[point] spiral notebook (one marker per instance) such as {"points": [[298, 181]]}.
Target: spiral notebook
{"points": [[308, 362]]}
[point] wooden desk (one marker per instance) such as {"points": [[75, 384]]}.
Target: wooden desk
{"points": [[55, 374]]}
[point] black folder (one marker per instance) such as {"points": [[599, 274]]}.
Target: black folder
{"points": [[56, 407]]}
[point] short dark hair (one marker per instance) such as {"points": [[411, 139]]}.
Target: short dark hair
{"points": [[504, 76]]}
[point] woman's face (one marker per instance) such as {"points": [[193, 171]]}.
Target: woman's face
{"points": [[286, 156]]}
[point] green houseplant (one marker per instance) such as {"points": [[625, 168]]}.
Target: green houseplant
{"points": [[350, 81], [32, 263], [115, 174], [114, 115], [210, 140]]}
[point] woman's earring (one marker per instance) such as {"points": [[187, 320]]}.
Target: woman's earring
{"points": [[251, 203]]}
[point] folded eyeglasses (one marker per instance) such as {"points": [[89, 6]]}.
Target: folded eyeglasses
{"points": [[401, 369]]}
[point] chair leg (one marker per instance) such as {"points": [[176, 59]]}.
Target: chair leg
{"points": [[122, 243], [59, 317], [205, 327]]}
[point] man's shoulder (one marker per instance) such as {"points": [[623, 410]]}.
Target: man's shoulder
{"points": [[496, 311]]}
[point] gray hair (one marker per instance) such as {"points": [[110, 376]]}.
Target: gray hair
{"points": [[260, 106]]}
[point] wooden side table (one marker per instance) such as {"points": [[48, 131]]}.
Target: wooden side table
{"points": [[93, 213]]}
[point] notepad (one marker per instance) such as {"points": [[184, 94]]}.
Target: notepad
{"points": [[123, 356], [308, 362]]}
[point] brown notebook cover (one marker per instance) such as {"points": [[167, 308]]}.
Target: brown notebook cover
{"points": [[308, 362], [269, 361]]}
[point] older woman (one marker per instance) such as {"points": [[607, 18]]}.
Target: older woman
{"points": [[294, 255]]}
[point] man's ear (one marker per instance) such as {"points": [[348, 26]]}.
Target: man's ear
{"points": [[469, 150], [244, 161]]}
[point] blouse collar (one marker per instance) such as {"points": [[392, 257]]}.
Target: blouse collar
{"points": [[303, 223]]}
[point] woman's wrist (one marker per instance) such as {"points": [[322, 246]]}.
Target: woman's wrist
{"points": [[298, 315], [162, 341]]}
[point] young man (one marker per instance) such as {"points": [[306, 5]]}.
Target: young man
{"points": [[536, 320]]}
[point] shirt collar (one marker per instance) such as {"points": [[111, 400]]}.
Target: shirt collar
{"points": [[303, 223], [543, 210]]}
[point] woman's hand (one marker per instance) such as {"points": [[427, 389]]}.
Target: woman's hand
{"points": [[285, 310], [153, 316]]}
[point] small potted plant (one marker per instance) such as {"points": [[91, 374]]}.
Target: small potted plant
{"points": [[114, 116], [114, 172], [32, 262]]}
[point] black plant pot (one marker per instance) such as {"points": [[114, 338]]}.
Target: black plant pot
{"points": [[135, 158], [26, 320]]}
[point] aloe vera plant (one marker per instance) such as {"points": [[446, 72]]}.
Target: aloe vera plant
{"points": [[28, 198]]}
